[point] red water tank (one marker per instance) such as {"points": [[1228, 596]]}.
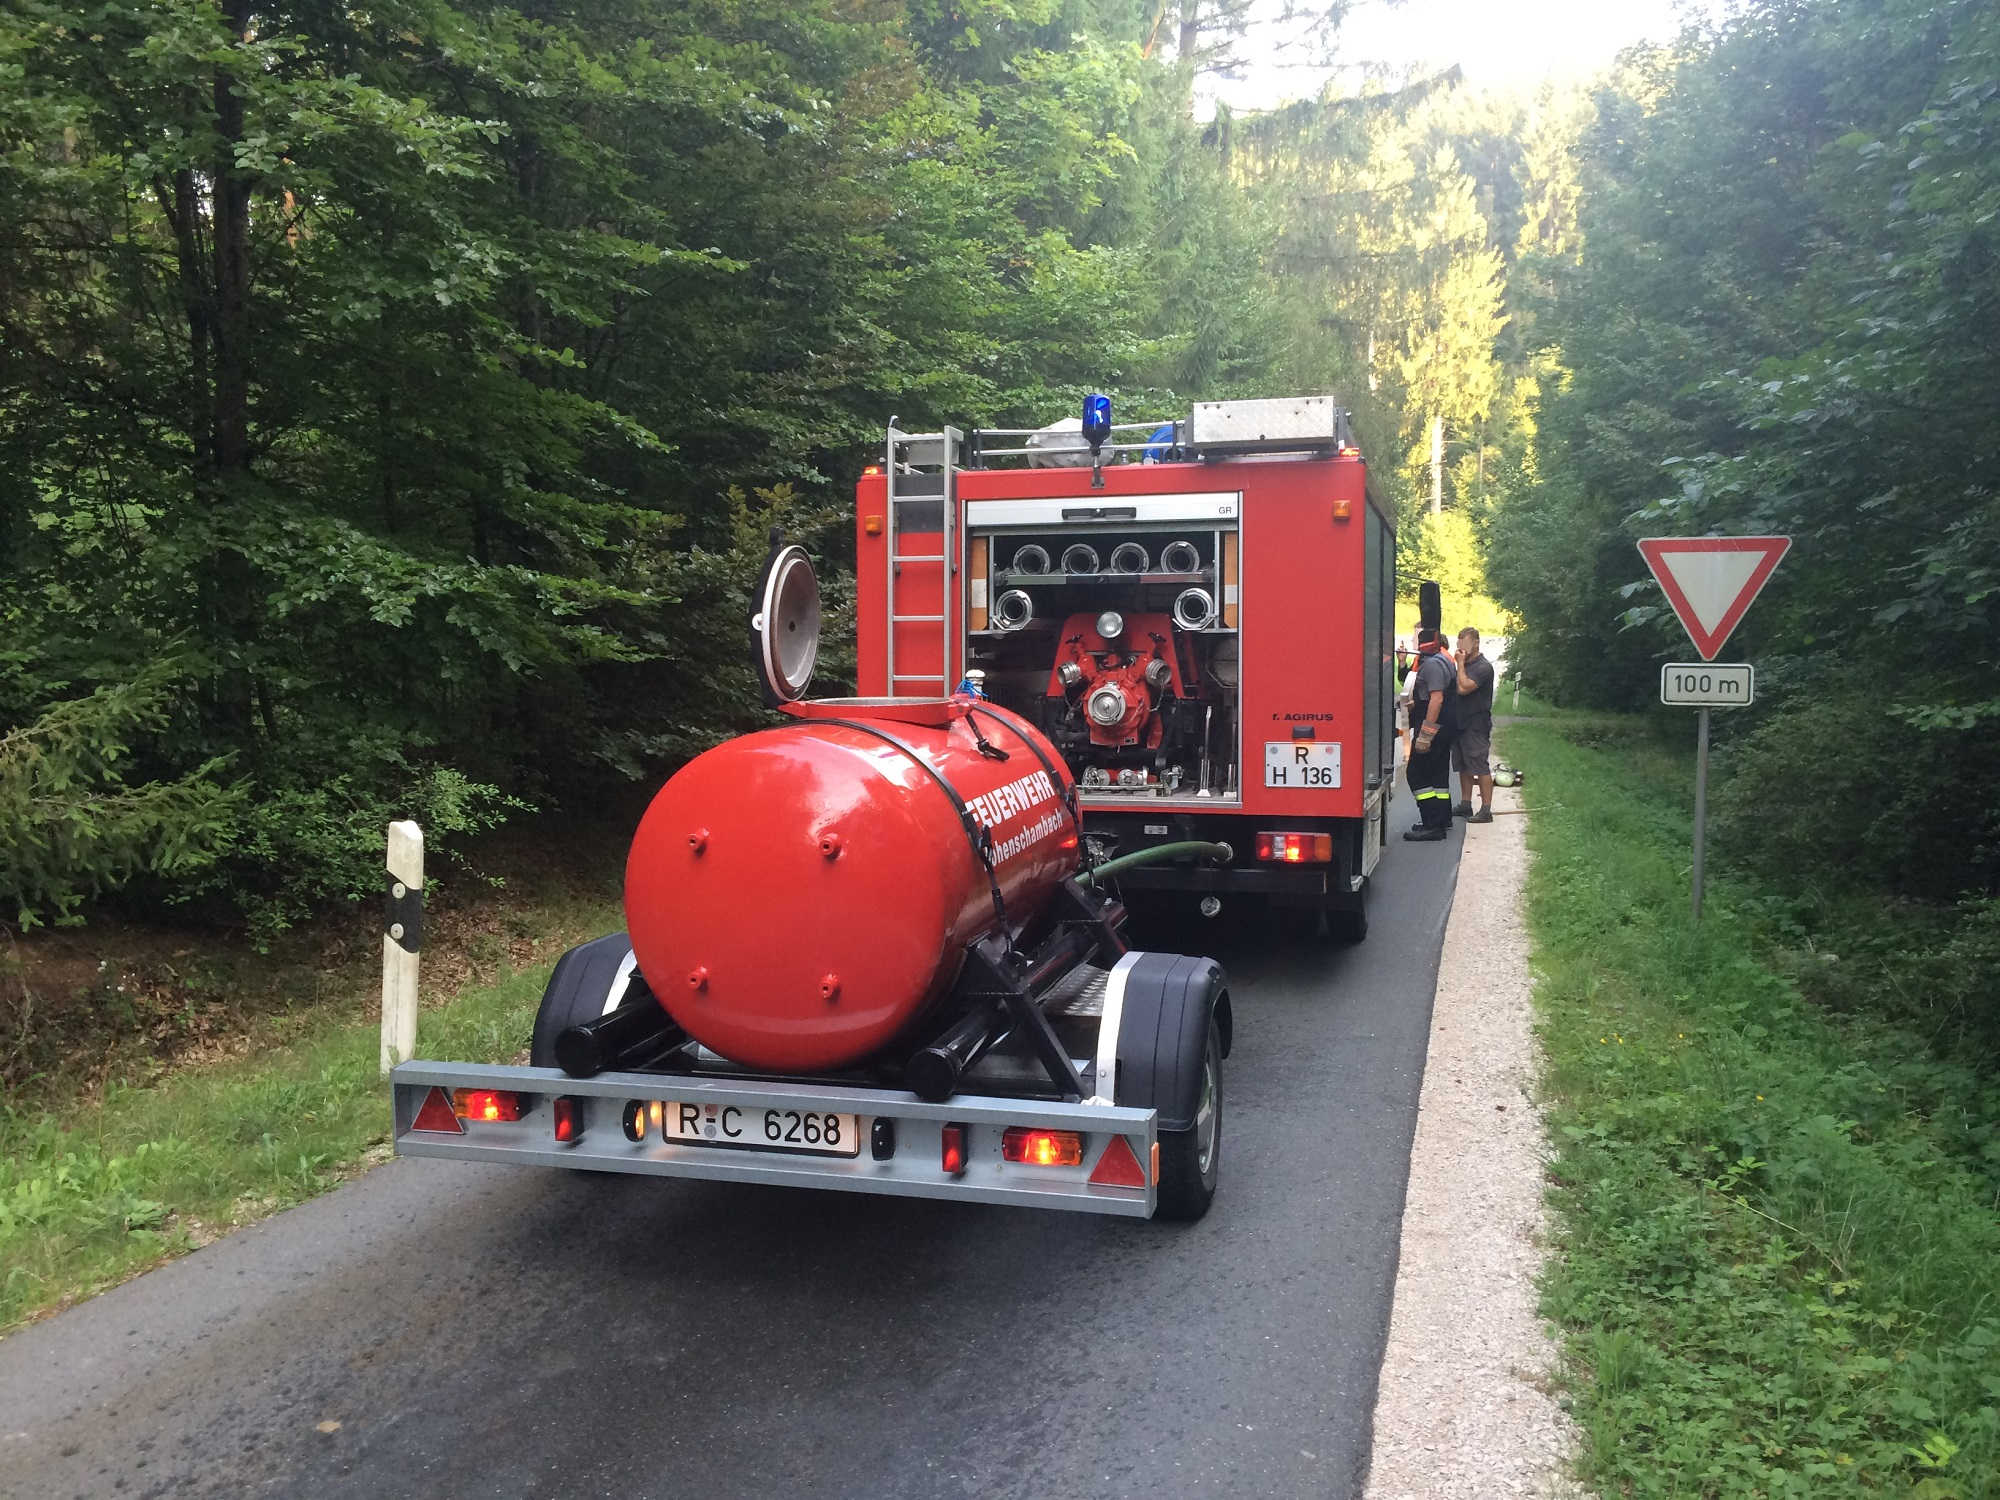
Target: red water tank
{"points": [[798, 898]]}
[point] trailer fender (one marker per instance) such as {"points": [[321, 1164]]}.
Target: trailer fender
{"points": [[1169, 1001], [589, 980], [1173, 1019]]}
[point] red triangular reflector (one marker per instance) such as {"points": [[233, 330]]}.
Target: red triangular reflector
{"points": [[1711, 580], [437, 1114], [1118, 1167]]}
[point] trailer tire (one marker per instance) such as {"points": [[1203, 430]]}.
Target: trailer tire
{"points": [[1174, 1032], [1191, 1160], [579, 990]]}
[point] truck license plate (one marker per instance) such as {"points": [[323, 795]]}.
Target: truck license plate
{"points": [[806, 1132], [1301, 763]]}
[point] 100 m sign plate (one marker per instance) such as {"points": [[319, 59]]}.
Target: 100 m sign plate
{"points": [[807, 1132], [1308, 765], [1707, 684]]}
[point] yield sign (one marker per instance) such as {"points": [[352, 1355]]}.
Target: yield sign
{"points": [[1711, 580]]}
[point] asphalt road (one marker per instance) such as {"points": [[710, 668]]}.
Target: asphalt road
{"points": [[490, 1331]]}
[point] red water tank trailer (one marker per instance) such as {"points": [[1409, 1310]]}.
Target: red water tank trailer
{"points": [[801, 897]]}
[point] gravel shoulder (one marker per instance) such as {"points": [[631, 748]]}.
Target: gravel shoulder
{"points": [[1464, 1408]]}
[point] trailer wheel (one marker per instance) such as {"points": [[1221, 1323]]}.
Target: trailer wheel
{"points": [[1172, 1036], [1191, 1160], [580, 989]]}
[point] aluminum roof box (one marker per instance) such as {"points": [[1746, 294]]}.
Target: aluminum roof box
{"points": [[1287, 423]]}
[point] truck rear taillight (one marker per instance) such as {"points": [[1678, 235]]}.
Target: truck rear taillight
{"points": [[488, 1104], [1042, 1148], [1296, 848]]}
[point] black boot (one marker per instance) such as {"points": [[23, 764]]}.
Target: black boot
{"points": [[1422, 835]]}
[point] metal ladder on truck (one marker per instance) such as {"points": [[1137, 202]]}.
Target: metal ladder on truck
{"points": [[925, 543]]}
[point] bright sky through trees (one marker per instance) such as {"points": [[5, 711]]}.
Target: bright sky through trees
{"points": [[1499, 43]]}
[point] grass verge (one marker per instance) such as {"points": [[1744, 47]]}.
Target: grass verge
{"points": [[95, 1189], [1778, 1267]]}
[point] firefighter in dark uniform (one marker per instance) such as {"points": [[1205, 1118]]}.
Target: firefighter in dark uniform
{"points": [[1433, 724]]}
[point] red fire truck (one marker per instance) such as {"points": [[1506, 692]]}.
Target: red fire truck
{"points": [[1198, 613]]}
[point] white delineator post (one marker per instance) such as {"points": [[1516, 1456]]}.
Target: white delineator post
{"points": [[402, 937]]}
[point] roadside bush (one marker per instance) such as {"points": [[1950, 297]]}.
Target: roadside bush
{"points": [[79, 822], [305, 848], [1920, 964], [1837, 788]]}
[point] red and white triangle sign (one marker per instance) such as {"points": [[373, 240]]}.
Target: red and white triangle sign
{"points": [[1711, 580]]}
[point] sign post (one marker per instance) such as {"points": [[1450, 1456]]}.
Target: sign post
{"points": [[1711, 582]]}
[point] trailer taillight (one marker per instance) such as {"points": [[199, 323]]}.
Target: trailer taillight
{"points": [[1042, 1148], [1296, 848], [634, 1121], [568, 1115], [487, 1104], [953, 1158]]}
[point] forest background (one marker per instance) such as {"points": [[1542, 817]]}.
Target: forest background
{"points": [[394, 401]]}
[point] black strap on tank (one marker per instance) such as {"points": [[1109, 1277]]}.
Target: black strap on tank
{"points": [[986, 747], [975, 832], [1067, 797]]}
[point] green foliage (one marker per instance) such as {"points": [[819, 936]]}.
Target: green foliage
{"points": [[1778, 319], [78, 825], [1396, 215], [1894, 806], [429, 377], [1777, 1234], [1444, 547], [319, 846]]}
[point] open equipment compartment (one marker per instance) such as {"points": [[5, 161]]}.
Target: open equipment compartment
{"points": [[1114, 629]]}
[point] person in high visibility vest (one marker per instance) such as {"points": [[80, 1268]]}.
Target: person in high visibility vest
{"points": [[1433, 725]]}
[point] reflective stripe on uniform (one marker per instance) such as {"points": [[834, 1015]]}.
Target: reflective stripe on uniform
{"points": [[1433, 791]]}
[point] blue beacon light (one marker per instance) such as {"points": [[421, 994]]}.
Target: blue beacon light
{"points": [[1096, 419], [1096, 428]]}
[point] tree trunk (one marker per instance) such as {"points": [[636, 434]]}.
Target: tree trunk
{"points": [[186, 218], [231, 218], [1437, 466], [231, 583]]}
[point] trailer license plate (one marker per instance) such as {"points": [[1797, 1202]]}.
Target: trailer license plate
{"points": [[806, 1132], [1301, 763]]}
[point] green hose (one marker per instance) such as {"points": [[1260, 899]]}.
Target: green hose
{"points": [[1158, 854]]}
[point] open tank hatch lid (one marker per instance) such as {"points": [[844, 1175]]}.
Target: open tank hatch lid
{"points": [[785, 625]]}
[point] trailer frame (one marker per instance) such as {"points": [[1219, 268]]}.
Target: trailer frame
{"points": [[913, 1171]]}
